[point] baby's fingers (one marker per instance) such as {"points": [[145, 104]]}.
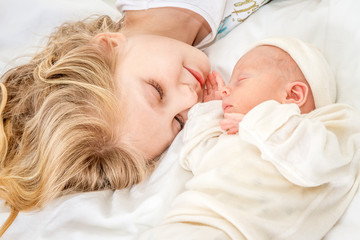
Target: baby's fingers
{"points": [[214, 81], [232, 131], [220, 83], [210, 81], [225, 124], [238, 117], [229, 124]]}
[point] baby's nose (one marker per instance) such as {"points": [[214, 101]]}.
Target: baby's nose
{"points": [[225, 92]]}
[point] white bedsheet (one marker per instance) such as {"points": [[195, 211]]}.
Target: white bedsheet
{"points": [[332, 25]]}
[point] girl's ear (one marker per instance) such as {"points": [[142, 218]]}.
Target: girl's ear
{"points": [[297, 92], [109, 40]]}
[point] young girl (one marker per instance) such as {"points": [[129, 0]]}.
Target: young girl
{"points": [[66, 127], [80, 115]]}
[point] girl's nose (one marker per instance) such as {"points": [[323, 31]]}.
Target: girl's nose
{"points": [[225, 92]]}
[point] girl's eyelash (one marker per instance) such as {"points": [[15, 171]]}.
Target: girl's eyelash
{"points": [[158, 88], [180, 121]]}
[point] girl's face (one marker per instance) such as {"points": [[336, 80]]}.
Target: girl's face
{"points": [[160, 79]]}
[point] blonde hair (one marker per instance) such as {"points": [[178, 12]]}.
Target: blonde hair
{"points": [[60, 114]]}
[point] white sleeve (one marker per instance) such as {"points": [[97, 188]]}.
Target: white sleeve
{"points": [[212, 11], [221, 15], [308, 149]]}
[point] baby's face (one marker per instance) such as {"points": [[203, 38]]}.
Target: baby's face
{"points": [[257, 77]]}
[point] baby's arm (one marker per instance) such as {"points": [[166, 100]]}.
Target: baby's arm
{"points": [[214, 83], [308, 149]]}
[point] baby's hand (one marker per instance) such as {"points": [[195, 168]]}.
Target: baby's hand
{"points": [[230, 123], [214, 83]]}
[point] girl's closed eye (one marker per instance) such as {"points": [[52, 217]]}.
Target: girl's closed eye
{"points": [[180, 120], [160, 91], [158, 88]]}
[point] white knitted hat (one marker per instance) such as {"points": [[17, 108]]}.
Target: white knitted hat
{"points": [[312, 64]]}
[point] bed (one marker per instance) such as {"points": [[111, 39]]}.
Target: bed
{"points": [[331, 25]]}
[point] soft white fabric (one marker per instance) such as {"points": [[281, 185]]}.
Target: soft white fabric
{"points": [[330, 25], [222, 15], [279, 176], [211, 11], [313, 65]]}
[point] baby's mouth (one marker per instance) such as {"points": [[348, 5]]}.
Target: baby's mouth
{"points": [[226, 107]]}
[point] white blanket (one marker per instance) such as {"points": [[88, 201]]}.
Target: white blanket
{"points": [[332, 25]]}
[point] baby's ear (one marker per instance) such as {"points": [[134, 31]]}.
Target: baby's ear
{"points": [[109, 40], [297, 92]]}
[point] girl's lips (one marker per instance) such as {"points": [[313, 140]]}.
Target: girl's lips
{"points": [[196, 75]]}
